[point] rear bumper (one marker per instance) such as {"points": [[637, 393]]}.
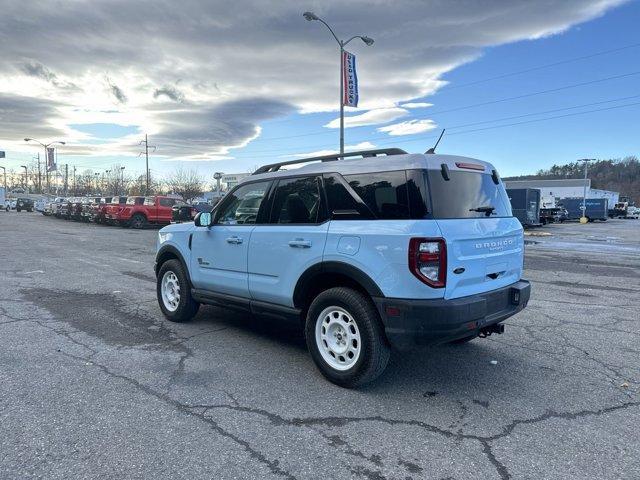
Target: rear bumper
{"points": [[412, 323]]}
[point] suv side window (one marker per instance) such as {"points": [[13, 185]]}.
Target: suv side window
{"points": [[344, 203], [149, 201], [242, 205], [298, 201], [167, 202], [385, 193]]}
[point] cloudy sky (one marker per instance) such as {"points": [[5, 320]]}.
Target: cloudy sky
{"points": [[230, 85]]}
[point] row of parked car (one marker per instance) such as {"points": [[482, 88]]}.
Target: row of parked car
{"points": [[124, 211]]}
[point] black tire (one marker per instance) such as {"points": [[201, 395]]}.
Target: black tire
{"points": [[18, 210], [375, 350], [187, 307], [138, 221], [462, 341]]}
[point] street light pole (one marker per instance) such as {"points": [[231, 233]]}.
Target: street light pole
{"points": [[46, 165], [310, 16], [586, 161], [122, 179]]}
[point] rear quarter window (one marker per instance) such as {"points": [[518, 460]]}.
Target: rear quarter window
{"points": [[385, 193]]}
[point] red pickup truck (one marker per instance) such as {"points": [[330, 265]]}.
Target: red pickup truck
{"points": [[137, 214]]}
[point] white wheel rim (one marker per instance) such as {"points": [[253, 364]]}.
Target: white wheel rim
{"points": [[170, 289], [338, 338]]}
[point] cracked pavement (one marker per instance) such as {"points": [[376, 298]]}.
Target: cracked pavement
{"points": [[95, 383]]}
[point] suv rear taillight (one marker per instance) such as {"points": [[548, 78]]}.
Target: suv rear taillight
{"points": [[428, 261]]}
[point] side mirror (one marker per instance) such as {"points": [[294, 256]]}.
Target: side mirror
{"points": [[203, 219]]}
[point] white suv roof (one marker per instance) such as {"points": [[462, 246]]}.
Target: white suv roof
{"points": [[366, 162]]}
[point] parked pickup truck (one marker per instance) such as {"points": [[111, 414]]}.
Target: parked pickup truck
{"points": [[113, 209], [152, 210]]}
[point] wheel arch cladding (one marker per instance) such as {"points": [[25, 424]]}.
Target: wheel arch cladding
{"points": [[322, 276], [169, 252]]}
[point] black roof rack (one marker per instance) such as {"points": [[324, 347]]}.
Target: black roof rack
{"points": [[274, 167]]}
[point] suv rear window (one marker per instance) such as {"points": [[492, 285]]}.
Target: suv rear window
{"points": [[464, 192]]}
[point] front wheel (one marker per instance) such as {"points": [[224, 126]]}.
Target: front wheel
{"points": [[174, 295], [345, 337]]}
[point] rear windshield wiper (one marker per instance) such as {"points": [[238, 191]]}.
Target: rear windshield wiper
{"points": [[487, 210]]}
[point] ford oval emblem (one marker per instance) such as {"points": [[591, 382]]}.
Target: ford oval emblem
{"points": [[458, 270]]}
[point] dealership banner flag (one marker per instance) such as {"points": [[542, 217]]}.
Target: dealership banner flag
{"points": [[350, 78], [51, 159]]}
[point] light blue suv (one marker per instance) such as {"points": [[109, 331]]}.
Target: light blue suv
{"points": [[369, 251]]}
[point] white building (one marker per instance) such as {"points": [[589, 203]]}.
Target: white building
{"points": [[553, 190]]}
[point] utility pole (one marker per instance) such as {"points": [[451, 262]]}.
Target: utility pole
{"points": [[146, 154], [39, 175], [66, 178], [74, 180]]}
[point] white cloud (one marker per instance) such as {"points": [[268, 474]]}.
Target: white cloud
{"points": [[416, 105], [409, 128], [372, 117], [347, 148]]}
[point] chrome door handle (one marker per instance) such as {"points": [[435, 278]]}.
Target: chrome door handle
{"points": [[300, 243], [234, 240]]}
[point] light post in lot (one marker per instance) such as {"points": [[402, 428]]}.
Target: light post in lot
{"points": [[97, 175], [46, 158], [586, 161], [106, 185], [310, 16], [26, 180]]}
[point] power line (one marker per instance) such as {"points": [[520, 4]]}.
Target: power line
{"points": [[538, 67], [422, 138], [455, 109]]}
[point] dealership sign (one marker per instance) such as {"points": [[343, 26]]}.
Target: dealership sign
{"points": [[350, 79], [51, 159]]}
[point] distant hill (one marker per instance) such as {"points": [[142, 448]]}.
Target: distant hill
{"points": [[618, 175]]}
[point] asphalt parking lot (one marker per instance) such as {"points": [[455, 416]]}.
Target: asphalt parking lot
{"points": [[95, 383]]}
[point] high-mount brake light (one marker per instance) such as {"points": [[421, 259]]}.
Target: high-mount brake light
{"points": [[428, 261], [470, 166]]}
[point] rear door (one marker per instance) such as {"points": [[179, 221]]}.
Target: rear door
{"points": [[292, 241], [219, 253], [485, 243]]}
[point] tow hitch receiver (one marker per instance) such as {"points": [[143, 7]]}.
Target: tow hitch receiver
{"points": [[487, 331]]}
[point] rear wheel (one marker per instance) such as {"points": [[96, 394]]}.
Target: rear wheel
{"points": [[138, 221], [345, 337], [174, 295]]}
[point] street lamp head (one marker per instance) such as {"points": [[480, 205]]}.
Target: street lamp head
{"points": [[367, 40], [121, 168], [64, 143], [309, 16], [28, 139]]}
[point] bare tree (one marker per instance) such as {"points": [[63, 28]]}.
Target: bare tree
{"points": [[188, 183]]}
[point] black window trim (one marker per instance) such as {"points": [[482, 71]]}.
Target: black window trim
{"points": [[351, 192]]}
